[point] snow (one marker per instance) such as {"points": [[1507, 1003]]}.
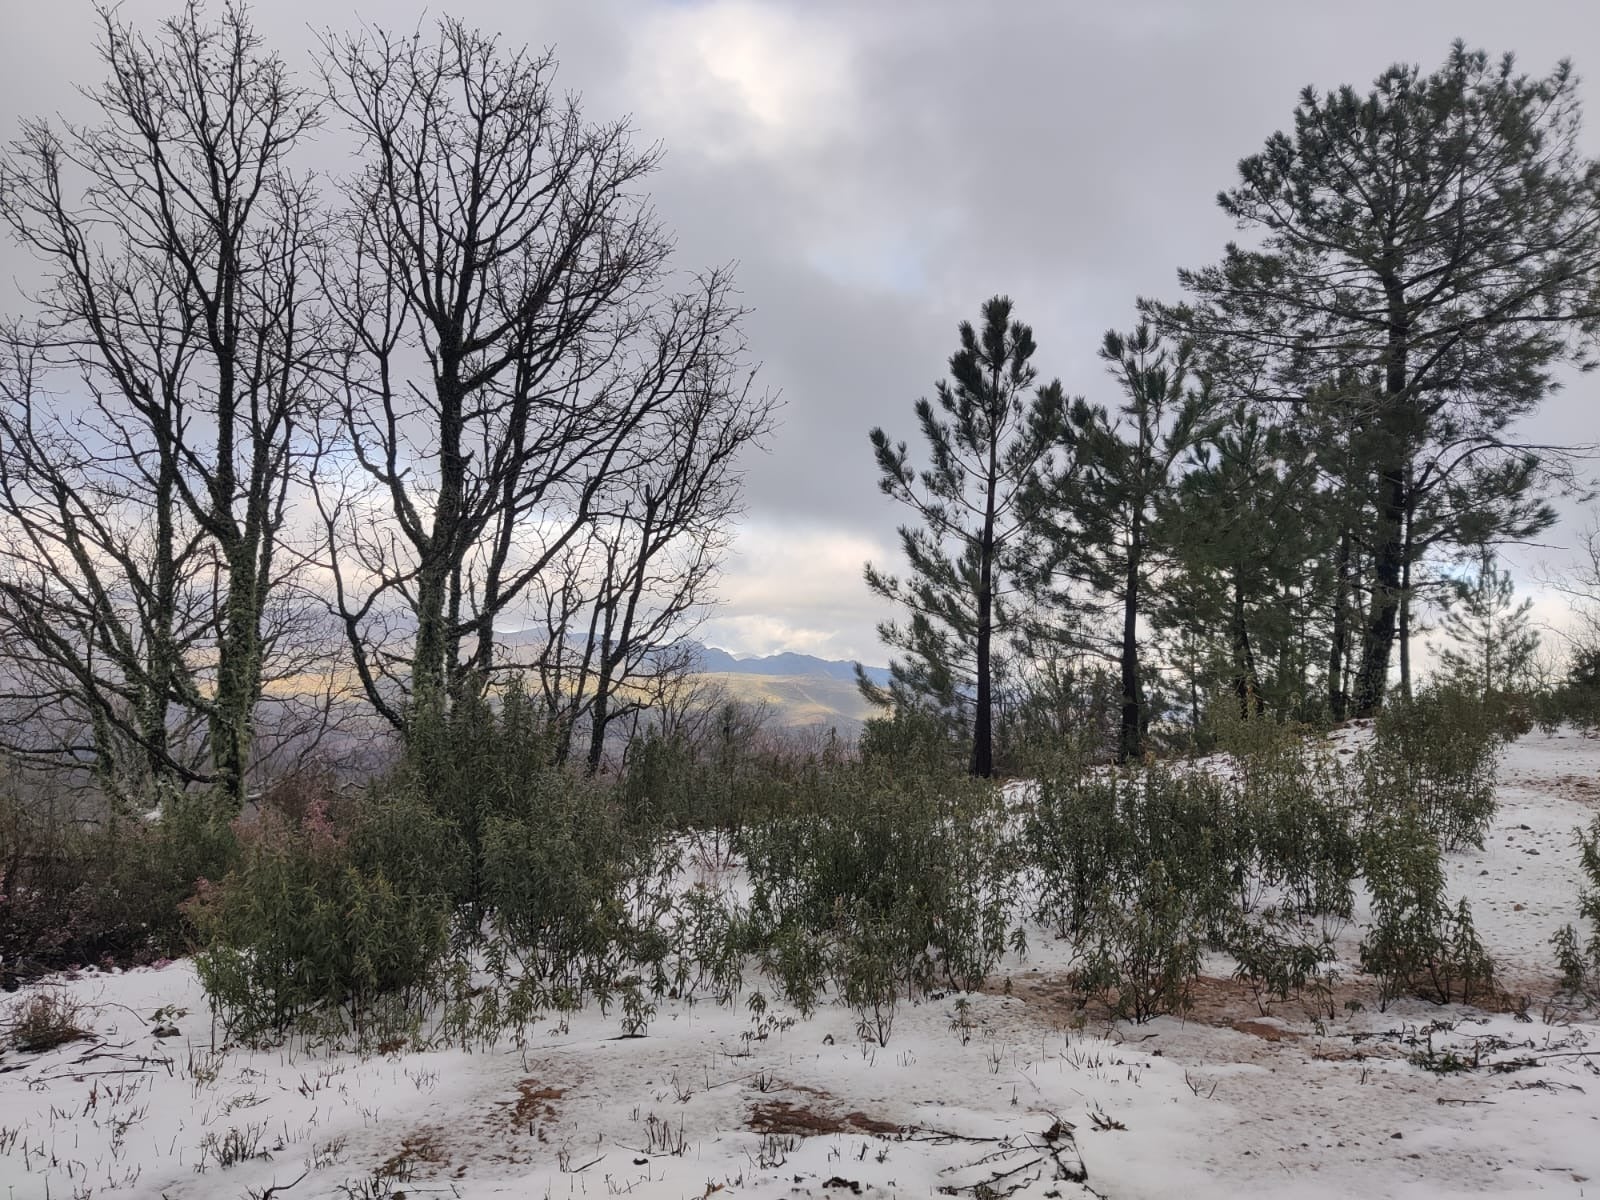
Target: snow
{"points": [[1231, 1102]]}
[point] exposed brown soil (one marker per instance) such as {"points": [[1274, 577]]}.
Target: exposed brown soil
{"points": [[1230, 1003], [420, 1147], [1270, 1033], [534, 1103], [784, 1117]]}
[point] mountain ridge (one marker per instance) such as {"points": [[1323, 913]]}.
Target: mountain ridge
{"points": [[714, 660]]}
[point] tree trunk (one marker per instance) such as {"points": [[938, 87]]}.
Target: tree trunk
{"points": [[1339, 634], [1130, 741], [600, 713], [429, 668], [983, 721], [1390, 557], [1405, 596], [238, 677], [1388, 567], [1194, 700], [1245, 682], [1405, 631]]}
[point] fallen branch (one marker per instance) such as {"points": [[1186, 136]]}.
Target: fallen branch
{"points": [[272, 1191]]}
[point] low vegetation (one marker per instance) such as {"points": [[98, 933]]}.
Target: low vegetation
{"points": [[479, 887]]}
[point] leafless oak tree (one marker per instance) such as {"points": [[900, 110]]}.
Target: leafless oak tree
{"points": [[618, 612], [143, 500], [513, 347]]}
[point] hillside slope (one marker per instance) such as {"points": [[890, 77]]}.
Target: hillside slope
{"points": [[798, 701]]}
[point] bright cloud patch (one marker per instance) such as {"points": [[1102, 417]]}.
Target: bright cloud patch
{"points": [[797, 588], [730, 77]]}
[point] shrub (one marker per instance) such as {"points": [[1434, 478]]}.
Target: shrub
{"points": [[474, 765], [104, 890], [571, 888], [920, 741], [1143, 867], [1140, 952], [1436, 756], [556, 872], [1091, 832], [882, 886], [1280, 954], [1579, 959], [331, 928], [43, 1021], [1298, 830], [671, 783], [1418, 942]]}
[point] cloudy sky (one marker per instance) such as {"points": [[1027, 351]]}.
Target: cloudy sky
{"points": [[878, 169]]}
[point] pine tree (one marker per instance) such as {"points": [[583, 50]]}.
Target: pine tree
{"points": [[1244, 525], [987, 439], [1096, 523], [1493, 635], [1432, 245]]}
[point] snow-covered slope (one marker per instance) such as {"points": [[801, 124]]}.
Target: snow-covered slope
{"points": [[1005, 1095]]}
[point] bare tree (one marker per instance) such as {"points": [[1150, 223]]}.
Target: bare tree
{"points": [[511, 332], [104, 591], [640, 581], [145, 511]]}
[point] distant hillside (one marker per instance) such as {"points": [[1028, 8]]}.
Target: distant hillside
{"points": [[719, 662], [798, 701], [799, 689]]}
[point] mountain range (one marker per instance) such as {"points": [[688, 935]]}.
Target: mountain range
{"points": [[720, 662], [798, 690]]}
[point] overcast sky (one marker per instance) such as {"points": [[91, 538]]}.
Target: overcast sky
{"points": [[878, 169]]}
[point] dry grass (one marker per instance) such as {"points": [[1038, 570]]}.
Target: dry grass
{"points": [[43, 1021]]}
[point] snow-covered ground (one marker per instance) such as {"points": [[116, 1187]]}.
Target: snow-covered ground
{"points": [[1004, 1095]]}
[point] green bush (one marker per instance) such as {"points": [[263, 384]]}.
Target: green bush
{"points": [[1299, 829], [572, 885], [1143, 867], [1418, 942], [1579, 958], [1140, 952], [670, 783], [919, 741], [332, 928], [1436, 756], [1104, 830], [106, 890], [882, 886], [1577, 699], [1279, 953], [1077, 839], [557, 869]]}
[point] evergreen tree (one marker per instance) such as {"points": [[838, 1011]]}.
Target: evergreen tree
{"points": [[1244, 526], [1433, 246], [1096, 524], [1494, 640], [989, 433]]}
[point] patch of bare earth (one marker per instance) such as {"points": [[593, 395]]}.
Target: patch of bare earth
{"points": [[422, 1148], [1227, 1003], [534, 1109], [1580, 788], [807, 1119]]}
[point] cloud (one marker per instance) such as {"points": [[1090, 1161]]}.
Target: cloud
{"points": [[878, 170], [797, 587], [728, 79]]}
